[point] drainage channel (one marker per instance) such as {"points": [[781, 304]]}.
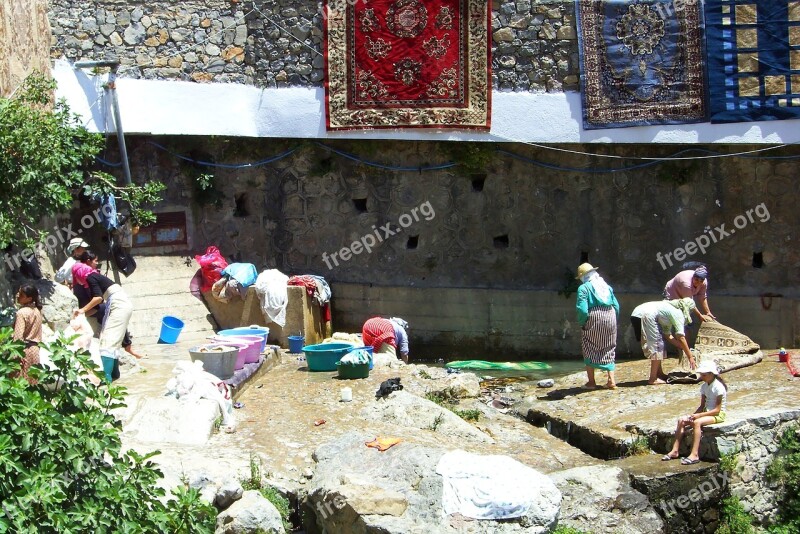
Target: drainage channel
{"points": [[595, 444]]}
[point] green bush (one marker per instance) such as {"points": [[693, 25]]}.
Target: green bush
{"points": [[785, 471], [45, 157], [733, 518], [255, 481], [61, 464]]}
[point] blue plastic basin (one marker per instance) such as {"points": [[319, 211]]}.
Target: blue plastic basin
{"points": [[324, 356]]}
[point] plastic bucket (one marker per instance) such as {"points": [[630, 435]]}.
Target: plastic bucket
{"points": [[218, 359], [261, 331], [350, 372], [170, 329], [296, 344], [323, 357]]}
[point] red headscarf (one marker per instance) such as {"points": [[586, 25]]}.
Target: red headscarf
{"points": [[80, 271]]}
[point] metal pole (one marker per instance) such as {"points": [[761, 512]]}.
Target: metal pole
{"points": [[112, 89]]}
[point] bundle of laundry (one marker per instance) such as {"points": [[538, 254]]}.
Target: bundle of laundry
{"points": [[211, 266], [316, 287], [191, 383], [234, 281]]}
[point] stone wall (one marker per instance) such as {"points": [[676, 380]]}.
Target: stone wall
{"points": [[278, 43], [512, 226]]}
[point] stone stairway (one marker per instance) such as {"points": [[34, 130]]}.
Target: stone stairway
{"points": [[158, 287]]}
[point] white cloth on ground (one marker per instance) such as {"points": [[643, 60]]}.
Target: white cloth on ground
{"points": [[192, 383], [273, 295], [490, 487]]}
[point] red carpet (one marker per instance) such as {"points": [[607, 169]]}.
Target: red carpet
{"points": [[407, 64]]}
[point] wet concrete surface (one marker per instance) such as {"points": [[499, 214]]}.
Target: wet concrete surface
{"points": [[283, 409]]}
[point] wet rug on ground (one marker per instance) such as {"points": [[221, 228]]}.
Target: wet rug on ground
{"points": [[728, 348], [407, 64], [642, 63]]}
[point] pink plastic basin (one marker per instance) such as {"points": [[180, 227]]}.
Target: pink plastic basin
{"points": [[252, 350]]}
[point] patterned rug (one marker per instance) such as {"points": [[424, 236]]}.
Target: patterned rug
{"points": [[407, 64], [753, 72], [728, 348], [642, 63]]}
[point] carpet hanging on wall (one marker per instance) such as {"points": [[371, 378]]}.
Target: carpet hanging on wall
{"points": [[407, 64], [641, 63], [753, 57]]}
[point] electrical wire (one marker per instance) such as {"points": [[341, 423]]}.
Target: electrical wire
{"points": [[447, 165], [386, 167], [225, 165], [611, 156]]}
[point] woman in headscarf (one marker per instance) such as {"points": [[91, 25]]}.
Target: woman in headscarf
{"points": [[28, 327], [658, 320], [118, 310], [598, 311], [386, 336], [691, 283]]}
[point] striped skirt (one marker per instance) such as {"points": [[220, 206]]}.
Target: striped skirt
{"points": [[599, 338]]}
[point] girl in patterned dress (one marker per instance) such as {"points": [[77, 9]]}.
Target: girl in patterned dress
{"points": [[28, 327]]}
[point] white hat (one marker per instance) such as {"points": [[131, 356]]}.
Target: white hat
{"points": [[76, 242], [707, 366]]}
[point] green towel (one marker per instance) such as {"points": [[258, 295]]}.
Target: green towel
{"points": [[498, 366]]}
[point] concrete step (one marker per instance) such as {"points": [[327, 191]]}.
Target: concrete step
{"points": [[160, 287], [167, 302], [150, 325]]}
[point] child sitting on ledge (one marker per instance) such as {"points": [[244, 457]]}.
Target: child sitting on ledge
{"points": [[713, 398]]}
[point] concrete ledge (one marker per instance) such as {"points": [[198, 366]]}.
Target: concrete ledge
{"points": [[303, 316]]}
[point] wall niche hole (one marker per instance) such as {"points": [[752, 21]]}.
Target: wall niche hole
{"points": [[584, 257], [501, 241], [240, 208], [758, 260], [360, 204], [413, 242], [478, 181]]}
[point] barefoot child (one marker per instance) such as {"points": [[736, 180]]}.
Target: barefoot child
{"points": [[713, 398]]}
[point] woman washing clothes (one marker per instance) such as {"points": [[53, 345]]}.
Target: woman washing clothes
{"points": [[658, 320], [118, 310], [28, 327], [387, 336], [598, 311]]}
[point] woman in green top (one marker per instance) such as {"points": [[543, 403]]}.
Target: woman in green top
{"points": [[598, 311]]}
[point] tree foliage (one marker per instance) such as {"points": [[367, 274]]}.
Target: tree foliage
{"points": [[61, 464], [45, 161]]}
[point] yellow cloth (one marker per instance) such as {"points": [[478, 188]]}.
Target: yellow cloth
{"points": [[383, 444]]}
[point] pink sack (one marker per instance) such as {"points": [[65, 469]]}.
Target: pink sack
{"points": [[211, 265]]}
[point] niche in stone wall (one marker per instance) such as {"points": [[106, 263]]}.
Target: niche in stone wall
{"points": [[501, 241], [360, 204], [758, 260], [584, 257], [240, 205], [413, 242], [478, 181]]}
